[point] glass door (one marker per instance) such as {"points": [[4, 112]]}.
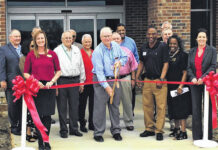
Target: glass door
{"points": [[82, 25], [23, 25], [53, 26]]}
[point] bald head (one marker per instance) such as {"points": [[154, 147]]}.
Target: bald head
{"points": [[15, 37]]}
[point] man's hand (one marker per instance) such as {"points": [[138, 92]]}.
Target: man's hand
{"points": [[109, 91], [81, 88], [139, 84], [3, 84], [195, 81]]}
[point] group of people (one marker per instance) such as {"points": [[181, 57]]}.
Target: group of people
{"points": [[159, 59]]}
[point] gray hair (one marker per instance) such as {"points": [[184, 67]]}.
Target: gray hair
{"points": [[86, 36], [166, 22], [64, 33], [105, 29], [12, 31]]}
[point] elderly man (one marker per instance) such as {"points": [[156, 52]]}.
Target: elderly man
{"points": [[72, 70], [154, 58], [131, 45], [9, 69], [127, 72], [73, 32], [106, 57]]}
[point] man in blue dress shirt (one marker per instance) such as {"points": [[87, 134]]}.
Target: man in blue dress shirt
{"points": [[131, 45], [105, 57]]}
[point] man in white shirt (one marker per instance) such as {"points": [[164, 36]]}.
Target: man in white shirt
{"points": [[73, 71]]}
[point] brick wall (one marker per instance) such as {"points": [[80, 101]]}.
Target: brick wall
{"points": [[216, 22], [2, 23], [136, 20], [175, 11]]}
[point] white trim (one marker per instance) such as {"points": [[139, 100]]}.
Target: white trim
{"points": [[197, 10], [75, 9]]}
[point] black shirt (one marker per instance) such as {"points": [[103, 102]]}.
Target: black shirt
{"points": [[154, 58]]}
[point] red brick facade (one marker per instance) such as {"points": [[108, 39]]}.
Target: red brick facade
{"points": [[175, 11], [2, 23], [136, 20]]}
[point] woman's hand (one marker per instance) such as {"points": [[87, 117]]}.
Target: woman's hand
{"points": [[200, 81], [195, 81], [179, 90], [49, 84], [41, 85]]}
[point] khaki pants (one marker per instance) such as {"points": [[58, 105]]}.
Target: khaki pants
{"points": [[160, 95]]}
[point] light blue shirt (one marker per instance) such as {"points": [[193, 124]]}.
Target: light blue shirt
{"points": [[130, 44], [103, 60]]}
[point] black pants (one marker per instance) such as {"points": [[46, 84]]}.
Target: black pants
{"points": [[87, 93], [14, 109], [197, 131], [46, 121], [70, 97], [133, 99]]}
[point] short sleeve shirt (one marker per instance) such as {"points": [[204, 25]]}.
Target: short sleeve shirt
{"points": [[154, 58]]}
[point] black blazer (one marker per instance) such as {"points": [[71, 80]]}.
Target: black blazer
{"points": [[9, 64], [208, 63]]}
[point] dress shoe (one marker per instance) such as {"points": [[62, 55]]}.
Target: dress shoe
{"points": [[147, 133], [83, 129], [15, 131], [174, 133], [47, 146], [182, 136], [64, 134], [91, 127], [117, 137], [53, 121], [130, 128], [42, 147], [99, 138], [76, 133], [159, 137]]}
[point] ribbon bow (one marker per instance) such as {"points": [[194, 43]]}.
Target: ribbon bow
{"points": [[211, 82], [28, 89]]}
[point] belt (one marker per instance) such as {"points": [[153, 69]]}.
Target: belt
{"points": [[152, 78], [69, 77], [120, 77], [123, 76]]}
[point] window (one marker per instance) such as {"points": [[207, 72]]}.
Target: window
{"points": [[201, 17]]}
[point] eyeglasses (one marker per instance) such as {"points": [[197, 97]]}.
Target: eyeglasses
{"points": [[73, 36]]}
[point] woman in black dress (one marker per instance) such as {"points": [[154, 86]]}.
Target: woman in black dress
{"points": [[179, 106]]}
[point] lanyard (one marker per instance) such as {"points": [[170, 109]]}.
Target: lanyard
{"points": [[69, 57]]}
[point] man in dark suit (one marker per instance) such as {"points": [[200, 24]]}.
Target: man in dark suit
{"points": [[9, 69]]}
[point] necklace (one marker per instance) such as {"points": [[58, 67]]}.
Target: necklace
{"points": [[172, 55]]}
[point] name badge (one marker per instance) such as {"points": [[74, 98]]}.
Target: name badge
{"points": [[144, 53]]}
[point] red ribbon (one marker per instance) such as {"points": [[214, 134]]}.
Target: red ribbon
{"points": [[29, 89], [211, 82]]}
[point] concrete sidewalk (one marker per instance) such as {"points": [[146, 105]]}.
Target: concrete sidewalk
{"points": [[131, 139]]}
